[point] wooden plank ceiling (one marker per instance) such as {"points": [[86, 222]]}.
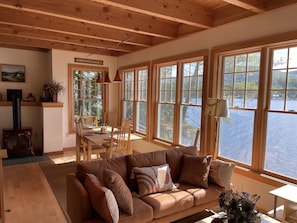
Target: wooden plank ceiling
{"points": [[116, 27]]}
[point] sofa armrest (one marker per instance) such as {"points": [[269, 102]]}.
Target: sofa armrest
{"points": [[78, 202]]}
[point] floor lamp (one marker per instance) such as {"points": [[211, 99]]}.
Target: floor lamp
{"points": [[217, 108]]}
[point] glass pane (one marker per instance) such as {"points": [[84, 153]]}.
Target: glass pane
{"points": [[292, 79], [277, 101], [229, 64], [239, 82], [293, 57], [189, 122], [278, 79], [281, 153], [254, 61], [238, 99], [141, 117], [252, 81], [128, 110], [236, 138], [280, 58], [165, 121], [251, 99], [87, 94], [228, 81], [291, 102], [240, 63]]}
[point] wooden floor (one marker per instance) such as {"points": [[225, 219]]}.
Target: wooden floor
{"points": [[28, 197]]}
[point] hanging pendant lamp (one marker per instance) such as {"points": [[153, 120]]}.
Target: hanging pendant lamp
{"points": [[117, 77], [106, 79]]}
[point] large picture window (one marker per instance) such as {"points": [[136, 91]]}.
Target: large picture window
{"points": [[281, 140], [260, 133], [135, 87], [85, 95], [179, 101], [240, 88]]}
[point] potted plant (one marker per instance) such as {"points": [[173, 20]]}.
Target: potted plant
{"points": [[51, 91]]}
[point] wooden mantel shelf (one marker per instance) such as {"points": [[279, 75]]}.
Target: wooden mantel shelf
{"points": [[52, 104], [33, 103]]}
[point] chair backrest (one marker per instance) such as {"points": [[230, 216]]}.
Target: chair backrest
{"points": [[79, 132], [125, 123], [89, 121], [120, 140], [196, 137]]}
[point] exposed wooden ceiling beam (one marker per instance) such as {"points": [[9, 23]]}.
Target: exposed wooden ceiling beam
{"points": [[251, 5], [72, 27], [39, 43], [28, 32], [97, 14], [184, 12]]}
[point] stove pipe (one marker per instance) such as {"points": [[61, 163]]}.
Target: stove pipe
{"points": [[16, 110]]}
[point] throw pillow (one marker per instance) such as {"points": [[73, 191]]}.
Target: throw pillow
{"points": [[195, 170], [153, 179], [120, 190], [102, 199], [220, 173]]}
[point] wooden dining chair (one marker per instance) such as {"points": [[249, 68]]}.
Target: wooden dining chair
{"points": [[82, 147], [119, 143], [89, 121], [196, 137], [80, 144]]}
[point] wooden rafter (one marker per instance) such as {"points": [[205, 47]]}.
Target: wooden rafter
{"points": [[116, 27], [250, 5]]}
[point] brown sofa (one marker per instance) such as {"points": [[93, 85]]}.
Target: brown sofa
{"points": [[197, 183]]}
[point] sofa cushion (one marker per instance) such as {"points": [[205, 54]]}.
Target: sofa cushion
{"points": [[143, 160], [97, 167], [174, 158], [142, 212], [220, 173], [169, 202], [195, 170], [201, 195], [116, 184], [153, 179], [102, 199]]}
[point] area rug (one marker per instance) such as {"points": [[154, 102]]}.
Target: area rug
{"points": [[24, 160], [56, 176], [195, 217]]}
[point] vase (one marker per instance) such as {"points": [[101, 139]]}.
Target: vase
{"points": [[55, 97]]}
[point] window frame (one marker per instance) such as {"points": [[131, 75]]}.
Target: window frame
{"points": [[261, 116], [178, 61], [71, 68], [135, 100]]}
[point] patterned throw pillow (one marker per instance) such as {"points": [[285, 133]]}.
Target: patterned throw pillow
{"points": [[153, 179], [195, 170], [120, 190], [102, 199]]}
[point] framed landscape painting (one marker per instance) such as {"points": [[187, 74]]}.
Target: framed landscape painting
{"points": [[12, 73]]}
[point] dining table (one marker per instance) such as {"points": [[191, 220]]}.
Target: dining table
{"points": [[101, 135], [96, 136]]}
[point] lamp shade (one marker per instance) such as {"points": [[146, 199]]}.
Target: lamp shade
{"points": [[217, 107], [117, 77], [106, 78]]}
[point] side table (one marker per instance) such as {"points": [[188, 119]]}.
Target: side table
{"points": [[289, 194]]}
